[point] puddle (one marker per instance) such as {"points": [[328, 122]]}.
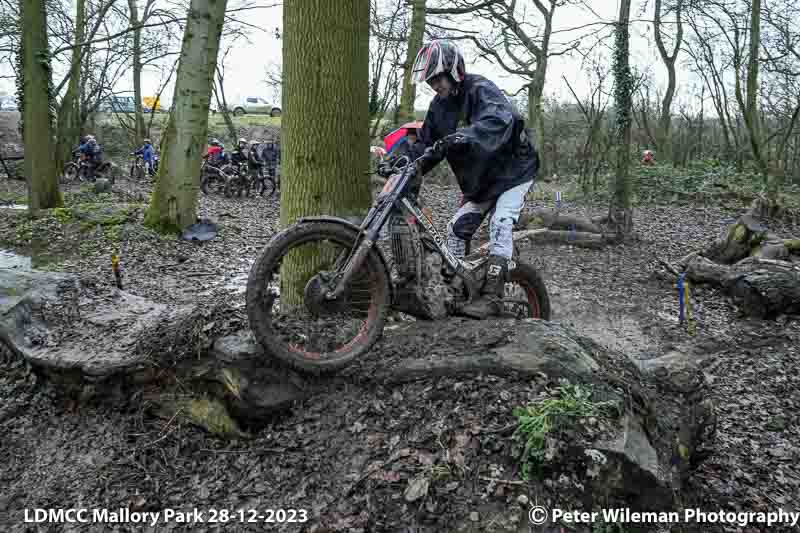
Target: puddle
{"points": [[26, 259], [11, 259]]}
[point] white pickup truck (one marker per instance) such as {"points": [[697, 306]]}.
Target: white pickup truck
{"points": [[255, 105]]}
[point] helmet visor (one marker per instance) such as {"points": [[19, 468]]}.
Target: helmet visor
{"points": [[427, 64]]}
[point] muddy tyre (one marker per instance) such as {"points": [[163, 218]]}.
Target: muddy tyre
{"points": [[71, 172], [304, 345], [528, 279]]}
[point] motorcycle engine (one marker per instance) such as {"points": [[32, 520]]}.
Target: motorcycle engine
{"points": [[427, 294]]}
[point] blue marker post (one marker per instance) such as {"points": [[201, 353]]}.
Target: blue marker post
{"points": [[681, 289]]}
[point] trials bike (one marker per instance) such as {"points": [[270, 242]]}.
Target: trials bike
{"points": [[319, 293]]}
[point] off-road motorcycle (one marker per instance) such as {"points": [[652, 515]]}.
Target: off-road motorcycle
{"points": [[79, 169], [214, 175], [319, 293]]}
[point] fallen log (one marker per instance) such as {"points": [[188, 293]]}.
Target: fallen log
{"points": [[553, 219], [543, 236], [761, 287]]}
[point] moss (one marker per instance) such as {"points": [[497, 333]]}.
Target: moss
{"points": [[738, 234], [160, 224], [62, 214], [793, 245]]}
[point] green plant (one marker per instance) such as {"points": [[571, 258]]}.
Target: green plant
{"points": [[538, 420]]}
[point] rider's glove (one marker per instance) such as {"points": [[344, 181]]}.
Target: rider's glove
{"points": [[384, 170]]}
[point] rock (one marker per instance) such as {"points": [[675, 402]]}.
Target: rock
{"points": [[55, 322], [255, 389], [657, 425], [527, 347], [675, 368], [473, 516], [523, 500]]}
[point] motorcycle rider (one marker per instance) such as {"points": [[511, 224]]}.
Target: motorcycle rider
{"points": [[239, 155], [474, 126], [92, 154], [215, 153]]}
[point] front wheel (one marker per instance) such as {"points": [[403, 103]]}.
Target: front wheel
{"points": [[71, 172], [287, 306]]}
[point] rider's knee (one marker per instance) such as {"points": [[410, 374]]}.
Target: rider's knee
{"points": [[465, 226]]}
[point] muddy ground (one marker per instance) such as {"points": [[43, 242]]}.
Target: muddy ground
{"points": [[56, 453]]}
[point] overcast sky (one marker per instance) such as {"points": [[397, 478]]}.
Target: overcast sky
{"points": [[246, 65]]}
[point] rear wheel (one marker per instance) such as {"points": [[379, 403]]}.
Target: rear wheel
{"points": [[275, 112], [289, 313], [526, 294]]}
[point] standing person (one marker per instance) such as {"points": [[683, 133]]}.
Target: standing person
{"points": [[255, 164], [148, 153], [271, 156], [490, 152]]}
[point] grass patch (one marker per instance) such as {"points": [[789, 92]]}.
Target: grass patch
{"points": [[539, 420], [13, 198]]}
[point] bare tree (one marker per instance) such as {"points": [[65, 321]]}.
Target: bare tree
{"points": [[663, 141]]}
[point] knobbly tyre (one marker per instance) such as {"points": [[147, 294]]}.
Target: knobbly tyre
{"points": [[348, 289]]}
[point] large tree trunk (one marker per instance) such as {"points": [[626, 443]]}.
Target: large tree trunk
{"points": [[174, 201], [137, 72], [325, 140], [69, 122], [40, 166], [620, 212], [415, 36]]}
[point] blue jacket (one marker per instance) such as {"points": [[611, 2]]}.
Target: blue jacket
{"points": [[146, 151]]}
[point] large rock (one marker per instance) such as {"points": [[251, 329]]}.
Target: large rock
{"points": [[55, 322], [640, 455], [104, 342]]}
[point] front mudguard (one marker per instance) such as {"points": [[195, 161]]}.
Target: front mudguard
{"points": [[357, 229]]}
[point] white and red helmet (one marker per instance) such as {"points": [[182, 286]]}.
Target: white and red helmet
{"points": [[435, 58]]}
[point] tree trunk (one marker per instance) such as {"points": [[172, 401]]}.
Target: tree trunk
{"points": [[749, 106], [137, 73], [415, 37], [222, 105], [325, 52], [40, 167], [174, 201], [535, 113], [663, 137], [69, 122], [620, 212]]}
